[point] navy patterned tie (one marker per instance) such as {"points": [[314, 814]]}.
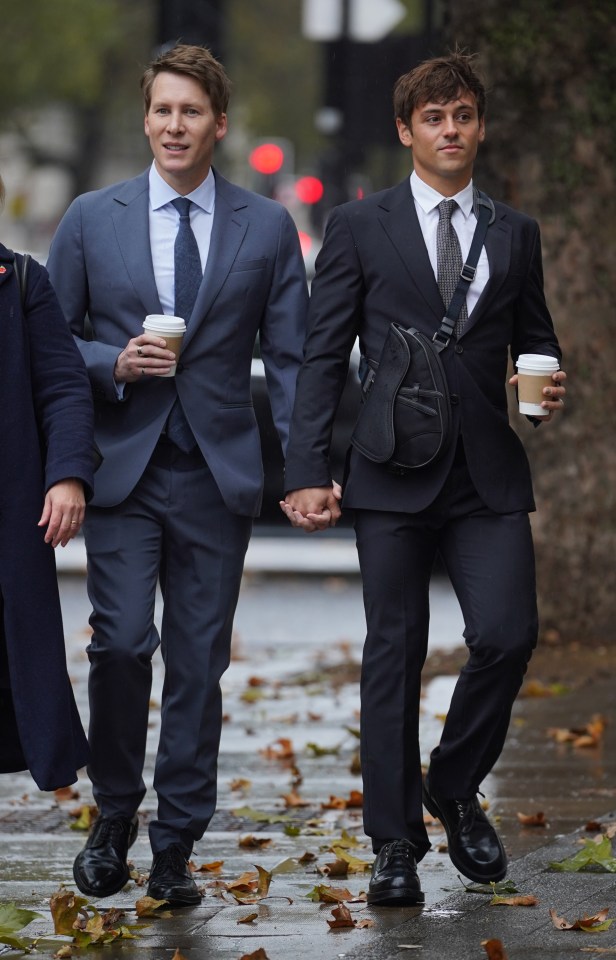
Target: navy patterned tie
{"points": [[449, 260], [188, 276]]}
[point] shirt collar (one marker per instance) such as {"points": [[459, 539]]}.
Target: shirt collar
{"points": [[161, 193], [428, 198]]}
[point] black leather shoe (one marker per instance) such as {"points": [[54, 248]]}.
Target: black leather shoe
{"points": [[101, 870], [394, 881], [171, 880], [474, 846]]}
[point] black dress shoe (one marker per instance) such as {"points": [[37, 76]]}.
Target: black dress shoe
{"points": [[100, 870], [394, 881], [171, 880], [474, 846]]}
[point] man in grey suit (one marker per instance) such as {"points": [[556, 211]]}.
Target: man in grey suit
{"points": [[182, 475]]}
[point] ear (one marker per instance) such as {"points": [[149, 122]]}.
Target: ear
{"points": [[404, 133], [146, 126], [482, 130], [221, 126]]}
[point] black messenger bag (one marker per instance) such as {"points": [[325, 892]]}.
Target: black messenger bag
{"points": [[405, 419]]}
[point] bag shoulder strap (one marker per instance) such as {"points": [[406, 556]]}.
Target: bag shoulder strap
{"points": [[483, 208]]}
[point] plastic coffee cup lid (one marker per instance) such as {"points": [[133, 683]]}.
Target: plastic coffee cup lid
{"points": [[161, 323], [537, 361]]}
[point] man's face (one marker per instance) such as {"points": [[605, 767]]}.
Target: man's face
{"points": [[182, 130], [444, 138]]}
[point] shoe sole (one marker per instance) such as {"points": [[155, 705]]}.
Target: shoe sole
{"points": [[175, 904], [397, 898], [434, 811]]}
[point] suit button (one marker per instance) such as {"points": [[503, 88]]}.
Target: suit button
{"points": [[459, 348], [454, 398]]}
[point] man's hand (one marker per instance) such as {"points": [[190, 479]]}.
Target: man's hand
{"points": [[554, 396], [63, 511], [143, 356], [313, 508]]}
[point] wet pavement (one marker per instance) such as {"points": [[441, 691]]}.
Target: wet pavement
{"points": [[291, 702]]}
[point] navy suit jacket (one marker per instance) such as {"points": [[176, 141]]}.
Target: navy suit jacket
{"points": [[254, 284], [374, 269]]}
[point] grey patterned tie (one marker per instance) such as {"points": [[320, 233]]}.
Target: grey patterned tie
{"points": [[188, 276], [449, 260]]}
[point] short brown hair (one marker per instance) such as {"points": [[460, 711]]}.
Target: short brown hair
{"points": [[439, 80], [192, 61]]}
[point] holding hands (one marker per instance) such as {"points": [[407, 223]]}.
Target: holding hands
{"points": [[313, 508]]}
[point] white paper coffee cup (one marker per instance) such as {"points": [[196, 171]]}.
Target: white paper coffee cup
{"points": [[534, 373], [172, 329]]}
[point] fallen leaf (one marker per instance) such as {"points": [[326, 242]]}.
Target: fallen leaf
{"points": [[532, 819], [177, 955], [355, 864], [66, 793], [85, 817], [65, 908], [259, 954], [594, 924], [213, 867], [249, 918], [281, 750], [536, 688], [293, 799], [364, 924], [12, 920], [592, 855], [250, 842], [494, 949], [307, 857], [342, 918], [324, 894], [318, 751], [241, 784], [149, 907], [247, 813], [526, 900], [337, 868]]}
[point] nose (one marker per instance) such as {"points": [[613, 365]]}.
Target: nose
{"points": [[174, 121], [450, 127]]}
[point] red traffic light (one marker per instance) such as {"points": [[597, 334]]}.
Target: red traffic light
{"points": [[266, 158], [309, 189]]}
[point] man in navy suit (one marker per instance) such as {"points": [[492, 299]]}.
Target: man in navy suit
{"points": [[182, 475], [379, 265]]}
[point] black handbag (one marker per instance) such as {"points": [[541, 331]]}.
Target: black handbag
{"points": [[405, 420]]}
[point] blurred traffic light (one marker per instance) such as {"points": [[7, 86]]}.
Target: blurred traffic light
{"points": [[267, 158], [309, 189]]}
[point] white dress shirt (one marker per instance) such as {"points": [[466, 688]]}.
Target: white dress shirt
{"points": [[164, 223], [463, 221]]}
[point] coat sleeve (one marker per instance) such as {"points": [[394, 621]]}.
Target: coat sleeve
{"points": [[333, 324], [60, 387]]}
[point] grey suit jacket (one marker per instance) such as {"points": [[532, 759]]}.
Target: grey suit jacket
{"points": [[254, 284]]}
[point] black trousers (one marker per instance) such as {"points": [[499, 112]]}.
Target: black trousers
{"points": [[490, 560]]}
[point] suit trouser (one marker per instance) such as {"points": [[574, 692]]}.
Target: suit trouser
{"points": [[490, 561], [174, 527]]}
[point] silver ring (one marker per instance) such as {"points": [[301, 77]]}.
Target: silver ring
{"points": [[73, 523], [139, 352]]}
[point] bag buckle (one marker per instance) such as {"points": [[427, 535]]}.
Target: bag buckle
{"points": [[439, 337], [468, 273]]}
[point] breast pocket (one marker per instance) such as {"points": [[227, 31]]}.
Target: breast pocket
{"points": [[242, 266]]}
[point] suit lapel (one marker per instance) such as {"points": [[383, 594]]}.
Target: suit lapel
{"points": [[398, 217], [130, 216], [228, 231], [498, 249]]}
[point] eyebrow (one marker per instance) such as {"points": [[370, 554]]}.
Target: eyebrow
{"points": [[440, 107]]}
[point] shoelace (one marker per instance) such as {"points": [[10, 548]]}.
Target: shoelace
{"points": [[171, 857], [112, 829]]}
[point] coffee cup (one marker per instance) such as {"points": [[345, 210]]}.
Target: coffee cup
{"points": [[172, 329], [534, 373]]}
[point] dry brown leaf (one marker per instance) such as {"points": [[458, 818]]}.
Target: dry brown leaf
{"points": [[333, 894], [177, 955], [149, 907], [356, 799], [494, 949], [250, 842], [342, 918], [66, 793], [307, 857], [584, 923], [532, 819], [213, 867], [280, 749], [249, 918], [523, 900], [339, 868], [259, 954], [293, 799], [257, 682], [364, 924], [335, 803], [240, 784]]}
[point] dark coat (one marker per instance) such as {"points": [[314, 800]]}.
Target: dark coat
{"points": [[46, 435], [373, 269]]}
